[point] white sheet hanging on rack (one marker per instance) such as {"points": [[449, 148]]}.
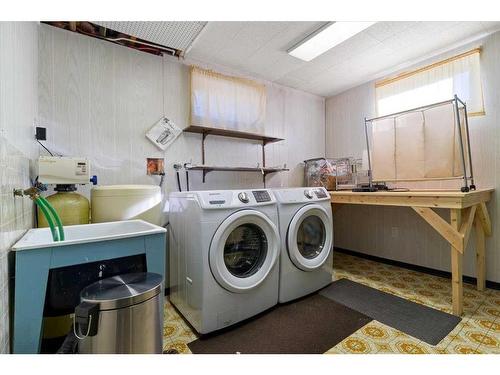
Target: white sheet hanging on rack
{"points": [[418, 145], [410, 146], [439, 140], [383, 150]]}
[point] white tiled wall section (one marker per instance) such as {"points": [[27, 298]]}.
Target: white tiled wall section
{"points": [[18, 108]]}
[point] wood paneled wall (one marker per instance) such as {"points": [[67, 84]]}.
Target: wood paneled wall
{"points": [[98, 99], [397, 233]]}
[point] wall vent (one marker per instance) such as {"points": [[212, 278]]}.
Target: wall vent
{"points": [[178, 35]]}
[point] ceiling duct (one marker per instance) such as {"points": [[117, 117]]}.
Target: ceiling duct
{"points": [[178, 35], [158, 38]]}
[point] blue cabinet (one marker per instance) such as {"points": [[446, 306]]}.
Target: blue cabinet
{"points": [[35, 256]]}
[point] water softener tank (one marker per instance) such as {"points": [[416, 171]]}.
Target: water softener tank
{"points": [[71, 207]]}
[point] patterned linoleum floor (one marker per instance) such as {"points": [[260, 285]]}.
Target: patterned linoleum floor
{"points": [[478, 332]]}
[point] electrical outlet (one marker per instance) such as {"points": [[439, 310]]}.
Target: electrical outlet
{"points": [[40, 133], [395, 232]]}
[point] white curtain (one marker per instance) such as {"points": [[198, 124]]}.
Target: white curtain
{"points": [[226, 102], [434, 83], [418, 145]]}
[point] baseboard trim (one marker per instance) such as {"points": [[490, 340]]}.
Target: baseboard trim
{"points": [[413, 267]]}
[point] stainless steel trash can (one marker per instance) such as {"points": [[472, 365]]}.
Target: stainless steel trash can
{"points": [[121, 314]]}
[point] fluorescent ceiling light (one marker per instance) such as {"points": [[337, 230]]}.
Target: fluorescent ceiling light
{"points": [[327, 37]]}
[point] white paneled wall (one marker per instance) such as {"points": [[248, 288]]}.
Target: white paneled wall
{"points": [[98, 99], [369, 229], [18, 108], [345, 115]]}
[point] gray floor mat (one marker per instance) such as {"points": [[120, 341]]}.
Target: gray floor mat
{"points": [[422, 322]]}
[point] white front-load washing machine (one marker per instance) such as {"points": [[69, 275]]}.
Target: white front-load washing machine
{"points": [[224, 250], [306, 230]]}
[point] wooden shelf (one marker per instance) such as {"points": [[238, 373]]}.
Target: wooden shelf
{"points": [[204, 131], [210, 168], [231, 133]]}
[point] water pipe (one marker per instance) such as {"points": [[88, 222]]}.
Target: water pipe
{"points": [[48, 211]]}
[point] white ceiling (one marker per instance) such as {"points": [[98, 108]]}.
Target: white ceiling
{"points": [[259, 49]]}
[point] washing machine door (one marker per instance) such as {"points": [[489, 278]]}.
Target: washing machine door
{"points": [[310, 237], [243, 250]]}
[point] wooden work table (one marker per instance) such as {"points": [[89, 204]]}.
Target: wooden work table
{"points": [[466, 210]]}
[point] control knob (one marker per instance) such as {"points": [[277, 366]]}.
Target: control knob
{"points": [[243, 197], [308, 193]]}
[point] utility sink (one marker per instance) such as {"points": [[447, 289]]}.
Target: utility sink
{"points": [[36, 254], [77, 234]]}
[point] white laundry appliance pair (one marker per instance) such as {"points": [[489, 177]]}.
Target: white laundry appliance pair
{"points": [[232, 257]]}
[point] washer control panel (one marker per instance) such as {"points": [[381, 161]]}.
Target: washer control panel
{"points": [[261, 196], [321, 193], [223, 199]]}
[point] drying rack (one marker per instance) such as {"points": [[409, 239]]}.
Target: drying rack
{"points": [[466, 165]]}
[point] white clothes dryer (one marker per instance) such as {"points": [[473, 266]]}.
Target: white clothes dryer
{"points": [[224, 250], [306, 230]]}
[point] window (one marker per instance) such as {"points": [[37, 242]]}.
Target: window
{"points": [[227, 102], [434, 83]]}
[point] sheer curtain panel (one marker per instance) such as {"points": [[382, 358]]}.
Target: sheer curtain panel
{"points": [[226, 102], [434, 83]]}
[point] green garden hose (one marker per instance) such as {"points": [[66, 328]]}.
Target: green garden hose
{"points": [[55, 216], [48, 217]]}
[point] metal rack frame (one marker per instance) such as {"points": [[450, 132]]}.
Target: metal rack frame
{"points": [[458, 104]]}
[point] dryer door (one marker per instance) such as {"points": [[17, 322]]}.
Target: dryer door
{"points": [[310, 237], [243, 250]]}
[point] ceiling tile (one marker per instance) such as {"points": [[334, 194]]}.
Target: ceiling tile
{"points": [[214, 37], [259, 49], [249, 40], [384, 30], [490, 27]]}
